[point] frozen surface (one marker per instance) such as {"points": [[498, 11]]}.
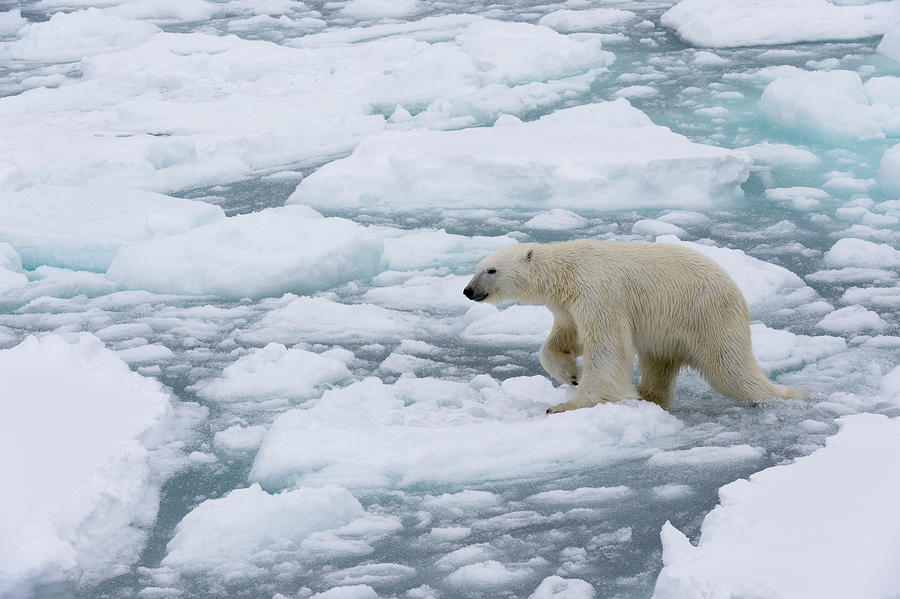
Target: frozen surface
{"points": [[233, 398], [254, 255], [594, 157], [78, 429], [764, 22], [824, 526]]}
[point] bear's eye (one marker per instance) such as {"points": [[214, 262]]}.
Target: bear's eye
{"points": [[492, 271]]}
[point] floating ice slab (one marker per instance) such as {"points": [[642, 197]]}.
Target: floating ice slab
{"points": [[566, 21], [777, 350], [185, 109], [890, 43], [404, 250], [556, 587], [419, 431], [72, 36], [240, 533], [593, 157], [765, 22], [253, 255], [889, 172], [83, 228], [293, 319], [824, 526], [76, 429], [275, 371], [852, 252], [834, 105]]}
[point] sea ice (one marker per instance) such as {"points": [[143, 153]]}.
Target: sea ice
{"points": [[275, 371], [254, 255], [427, 430], [824, 526], [889, 172], [83, 228], [832, 106], [84, 501], [593, 157], [567, 21], [764, 22]]}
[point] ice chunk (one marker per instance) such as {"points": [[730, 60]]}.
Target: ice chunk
{"points": [[419, 431], [375, 9], [830, 106], [11, 22], [515, 325], [252, 255], [889, 172], [650, 227], [557, 219], [239, 439], [83, 501], [241, 529], [852, 252], [580, 496], [405, 250], [777, 350], [776, 534], [378, 574], [761, 283], [890, 43], [356, 591], [83, 228], [72, 36], [275, 371], [763, 22], [567, 21], [852, 319], [487, 576], [799, 198], [699, 456], [556, 587], [423, 292], [783, 155], [11, 276], [293, 319], [593, 157]]}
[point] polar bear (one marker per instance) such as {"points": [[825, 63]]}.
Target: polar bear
{"points": [[669, 304]]}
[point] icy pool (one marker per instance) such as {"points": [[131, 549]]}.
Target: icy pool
{"points": [[235, 356]]}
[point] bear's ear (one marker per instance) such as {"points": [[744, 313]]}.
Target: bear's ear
{"points": [[528, 256]]}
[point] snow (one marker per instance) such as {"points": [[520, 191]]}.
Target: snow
{"points": [[82, 502], [218, 395], [567, 21], [253, 255], [79, 228], [833, 105], [764, 22], [822, 526], [593, 157], [418, 431], [275, 371]]}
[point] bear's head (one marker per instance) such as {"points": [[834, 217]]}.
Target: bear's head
{"points": [[503, 276]]}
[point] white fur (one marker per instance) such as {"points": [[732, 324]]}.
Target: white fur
{"points": [[668, 304]]}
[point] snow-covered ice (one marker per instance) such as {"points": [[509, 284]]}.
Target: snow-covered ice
{"points": [[594, 157], [235, 355]]}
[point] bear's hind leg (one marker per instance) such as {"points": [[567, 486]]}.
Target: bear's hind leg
{"points": [[657, 378]]}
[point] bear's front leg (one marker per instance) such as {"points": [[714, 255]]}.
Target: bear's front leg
{"points": [[607, 373], [559, 351]]}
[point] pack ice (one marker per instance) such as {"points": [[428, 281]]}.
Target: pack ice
{"points": [[235, 356]]}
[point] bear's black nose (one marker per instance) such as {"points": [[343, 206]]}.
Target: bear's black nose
{"points": [[468, 292]]}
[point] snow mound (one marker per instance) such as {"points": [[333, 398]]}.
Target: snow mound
{"points": [[419, 431], [824, 526], [240, 533], [253, 255], [82, 503], [83, 228], [593, 157], [717, 24], [72, 36], [275, 371], [293, 319], [833, 106]]}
